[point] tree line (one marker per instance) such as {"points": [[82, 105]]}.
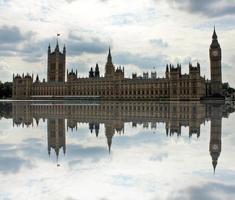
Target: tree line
{"points": [[5, 90]]}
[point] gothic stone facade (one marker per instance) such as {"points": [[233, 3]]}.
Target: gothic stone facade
{"points": [[114, 86]]}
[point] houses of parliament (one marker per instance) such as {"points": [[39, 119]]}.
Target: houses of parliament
{"points": [[114, 86]]}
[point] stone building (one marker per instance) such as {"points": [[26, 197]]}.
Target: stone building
{"points": [[114, 85]]}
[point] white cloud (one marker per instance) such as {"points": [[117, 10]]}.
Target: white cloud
{"points": [[127, 26], [4, 72]]}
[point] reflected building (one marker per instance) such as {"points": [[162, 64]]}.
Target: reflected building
{"points": [[113, 115], [94, 127], [109, 132], [215, 133], [56, 135]]}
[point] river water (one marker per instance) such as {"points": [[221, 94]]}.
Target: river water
{"points": [[117, 150]]}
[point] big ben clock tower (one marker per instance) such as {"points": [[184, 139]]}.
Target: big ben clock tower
{"points": [[215, 66]]}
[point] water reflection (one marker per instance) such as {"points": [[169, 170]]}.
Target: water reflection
{"points": [[114, 115]]}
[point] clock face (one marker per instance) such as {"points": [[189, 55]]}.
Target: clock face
{"points": [[215, 53], [215, 147]]}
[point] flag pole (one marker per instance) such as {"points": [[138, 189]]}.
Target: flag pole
{"points": [[57, 36]]}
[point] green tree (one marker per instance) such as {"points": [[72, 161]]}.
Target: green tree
{"points": [[5, 90], [1, 89]]}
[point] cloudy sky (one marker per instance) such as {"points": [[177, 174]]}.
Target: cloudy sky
{"points": [[143, 34]]}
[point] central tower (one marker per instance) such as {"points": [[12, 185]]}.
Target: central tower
{"points": [[215, 66], [109, 67], [56, 64]]}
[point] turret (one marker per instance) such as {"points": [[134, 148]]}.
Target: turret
{"points": [[134, 75], [175, 72], [97, 127], [145, 75], [71, 76], [167, 71], [179, 67], [64, 50], [153, 75], [49, 49], [97, 71], [37, 79], [22, 86], [91, 127], [91, 73], [194, 72]]}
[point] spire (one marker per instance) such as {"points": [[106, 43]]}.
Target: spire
{"points": [[91, 73], [198, 64], [57, 156], [214, 36], [57, 161], [109, 67], [109, 56], [64, 49], [109, 132], [64, 149], [57, 43], [109, 52], [97, 132], [97, 71], [37, 121], [214, 163], [37, 78], [215, 43], [190, 64], [96, 67], [57, 48], [49, 151], [109, 145], [49, 48]]}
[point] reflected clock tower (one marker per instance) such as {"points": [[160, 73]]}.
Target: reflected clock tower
{"points": [[215, 134], [215, 66]]}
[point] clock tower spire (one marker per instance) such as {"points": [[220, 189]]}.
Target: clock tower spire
{"points": [[215, 66]]}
